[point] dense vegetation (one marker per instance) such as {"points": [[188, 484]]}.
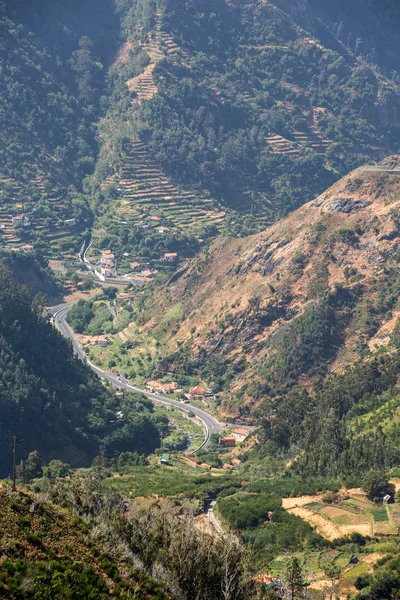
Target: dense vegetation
{"points": [[247, 73], [279, 529], [53, 63], [50, 399], [49, 553], [346, 426], [191, 565]]}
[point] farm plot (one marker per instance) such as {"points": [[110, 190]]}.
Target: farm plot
{"points": [[348, 521], [354, 514]]}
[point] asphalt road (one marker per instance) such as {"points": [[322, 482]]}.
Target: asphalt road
{"points": [[380, 170], [210, 424]]}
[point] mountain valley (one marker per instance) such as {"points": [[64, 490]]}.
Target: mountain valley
{"points": [[199, 299]]}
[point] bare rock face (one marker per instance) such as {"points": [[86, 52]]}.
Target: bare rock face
{"points": [[347, 205], [391, 162]]}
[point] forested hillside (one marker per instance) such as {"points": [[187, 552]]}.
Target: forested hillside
{"points": [[196, 116], [257, 106], [51, 400], [52, 80]]}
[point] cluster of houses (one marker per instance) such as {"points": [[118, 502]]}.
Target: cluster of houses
{"points": [[237, 436], [163, 388], [144, 276], [24, 248], [141, 274], [195, 393], [107, 264]]}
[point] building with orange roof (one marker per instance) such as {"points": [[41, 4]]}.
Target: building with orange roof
{"points": [[196, 392], [240, 434]]}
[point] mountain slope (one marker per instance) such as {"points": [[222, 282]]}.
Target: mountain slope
{"points": [[50, 398], [312, 294], [258, 108], [46, 553], [51, 80]]}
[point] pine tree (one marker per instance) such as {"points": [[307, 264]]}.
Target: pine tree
{"points": [[294, 579]]}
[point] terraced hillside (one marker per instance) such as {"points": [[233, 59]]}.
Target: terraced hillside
{"points": [[47, 115], [248, 103], [310, 138], [47, 208], [149, 196], [157, 46]]}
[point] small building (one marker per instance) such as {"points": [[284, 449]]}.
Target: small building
{"points": [[20, 221], [240, 434], [227, 442], [119, 393], [147, 273], [119, 414], [102, 342], [106, 260], [140, 280], [107, 255], [169, 257], [196, 392], [165, 459], [107, 263], [269, 582], [134, 265], [107, 272], [70, 222], [155, 218]]}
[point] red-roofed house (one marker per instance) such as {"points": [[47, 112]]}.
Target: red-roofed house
{"points": [[147, 273], [196, 392], [240, 434]]}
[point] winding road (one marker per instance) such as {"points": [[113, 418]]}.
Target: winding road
{"points": [[211, 425]]}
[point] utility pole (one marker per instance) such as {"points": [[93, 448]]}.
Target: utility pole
{"points": [[14, 445]]}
